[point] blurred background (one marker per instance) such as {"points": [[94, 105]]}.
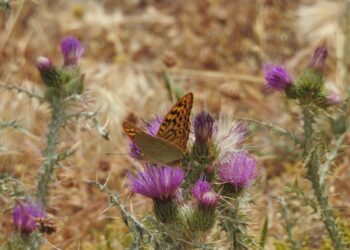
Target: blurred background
{"points": [[217, 47]]}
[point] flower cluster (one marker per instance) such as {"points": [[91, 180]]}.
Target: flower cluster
{"points": [[308, 87], [67, 80], [215, 162]]}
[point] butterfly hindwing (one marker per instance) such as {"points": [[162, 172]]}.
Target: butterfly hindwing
{"points": [[158, 150], [153, 149], [175, 126]]}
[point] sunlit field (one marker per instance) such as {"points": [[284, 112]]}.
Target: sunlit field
{"points": [[149, 124]]}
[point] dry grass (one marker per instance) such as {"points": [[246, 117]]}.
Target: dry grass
{"points": [[220, 46]]}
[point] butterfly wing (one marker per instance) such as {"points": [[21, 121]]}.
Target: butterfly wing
{"points": [[175, 127], [154, 149], [131, 130]]}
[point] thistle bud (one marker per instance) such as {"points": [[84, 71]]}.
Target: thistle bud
{"points": [[333, 98], [71, 50], [203, 130], [203, 127], [48, 72], [203, 217], [319, 58], [311, 81], [325, 100], [277, 78]]}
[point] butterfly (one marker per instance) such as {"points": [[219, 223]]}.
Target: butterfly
{"points": [[169, 144]]}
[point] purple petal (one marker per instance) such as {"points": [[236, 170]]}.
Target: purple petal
{"points": [[239, 170], [203, 127], [24, 214], [201, 187], [277, 78], [157, 182], [319, 58], [71, 50]]}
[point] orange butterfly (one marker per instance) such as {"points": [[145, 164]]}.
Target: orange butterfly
{"points": [[169, 144]]}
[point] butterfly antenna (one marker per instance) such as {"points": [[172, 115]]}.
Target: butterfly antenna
{"points": [[110, 154]]}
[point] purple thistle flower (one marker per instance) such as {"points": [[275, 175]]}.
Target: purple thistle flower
{"points": [[71, 50], [277, 78], [239, 170], [159, 183], [333, 98], [43, 63], [201, 187], [203, 127], [204, 195], [24, 215], [319, 58]]}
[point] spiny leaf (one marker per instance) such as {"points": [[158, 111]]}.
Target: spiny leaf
{"points": [[330, 157]]}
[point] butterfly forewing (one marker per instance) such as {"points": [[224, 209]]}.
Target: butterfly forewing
{"points": [[175, 126], [131, 130]]}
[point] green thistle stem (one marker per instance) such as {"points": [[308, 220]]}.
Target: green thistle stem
{"points": [[288, 224], [234, 223], [46, 172], [328, 215], [308, 130], [138, 230]]}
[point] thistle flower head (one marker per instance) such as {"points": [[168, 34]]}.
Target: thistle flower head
{"points": [[43, 63], [319, 58], [158, 183], [228, 137], [201, 187], [24, 215], [239, 171], [333, 98], [203, 193], [203, 127], [277, 78], [71, 50]]}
